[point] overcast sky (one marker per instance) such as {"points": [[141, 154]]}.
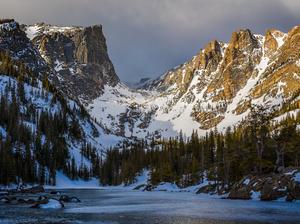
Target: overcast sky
{"points": [[147, 37]]}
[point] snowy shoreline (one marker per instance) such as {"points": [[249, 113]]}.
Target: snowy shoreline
{"points": [[142, 182]]}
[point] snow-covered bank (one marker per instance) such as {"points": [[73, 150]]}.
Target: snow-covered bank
{"points": [[273, 187], [63, 182]]}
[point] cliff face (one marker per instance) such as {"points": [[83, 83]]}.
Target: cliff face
{"points": [[79, 57]]}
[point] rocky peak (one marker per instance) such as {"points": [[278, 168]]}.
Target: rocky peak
{"points": [[240, 42], [211, 56], [79, 57], [273, 40], [91, 45], [14, 41]]}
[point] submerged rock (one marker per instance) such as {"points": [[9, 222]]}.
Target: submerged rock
{"points": [[55, 192], [66, 198], [5, 199], [26, 201]]}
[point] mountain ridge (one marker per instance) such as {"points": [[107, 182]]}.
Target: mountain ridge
{"points": [[71, 108], [214, 89], [222, 82]]}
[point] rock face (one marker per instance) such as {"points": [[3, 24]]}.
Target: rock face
{"points": [[15, 42], [79, 57]]}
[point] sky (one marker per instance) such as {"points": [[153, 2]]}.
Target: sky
{"points": [[145, 38]]}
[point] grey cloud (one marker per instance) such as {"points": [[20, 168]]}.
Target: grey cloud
{"points": [[147, 37]]}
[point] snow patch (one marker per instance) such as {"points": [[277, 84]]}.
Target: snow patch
{"points": [[297, 177], [63, 182], [246, 181], [167, 187], [52, 204], [31, 31]]}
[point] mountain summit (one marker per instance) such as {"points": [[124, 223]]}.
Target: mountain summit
{"points": [[78, 55]]}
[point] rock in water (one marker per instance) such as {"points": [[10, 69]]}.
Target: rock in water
{"points": [[66, 198]]}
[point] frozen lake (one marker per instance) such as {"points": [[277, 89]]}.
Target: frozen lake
{"points": [[120, 206]]}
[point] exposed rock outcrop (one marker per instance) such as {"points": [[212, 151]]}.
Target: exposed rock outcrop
{"points": [[79, 57], [268, 187]]}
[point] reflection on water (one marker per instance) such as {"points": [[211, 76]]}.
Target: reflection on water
{"points": [[128, 207]]}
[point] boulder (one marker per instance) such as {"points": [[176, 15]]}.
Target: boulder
{"points": [[40, 198], [270, 192], [149, 187], [207, 189], [242, 193], [294, 192], [140, 187]]}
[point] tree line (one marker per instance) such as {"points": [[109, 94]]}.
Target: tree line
{"points": [[258, 146]]}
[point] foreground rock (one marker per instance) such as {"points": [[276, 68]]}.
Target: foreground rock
{"points": [[55, 192], [268, 187], [242, 193], [210, 188]]}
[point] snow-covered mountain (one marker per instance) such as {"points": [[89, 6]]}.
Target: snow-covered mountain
{"points": [[216, 88], [34, 105], [65, 74], [78, 56]]}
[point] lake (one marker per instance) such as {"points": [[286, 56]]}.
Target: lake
{"points": [[128, 207]]}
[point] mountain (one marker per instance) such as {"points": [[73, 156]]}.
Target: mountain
{"points": [[59, 88], [215, 89], [78, 55], [42, 130]]}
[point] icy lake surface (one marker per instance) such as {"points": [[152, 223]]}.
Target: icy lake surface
{"points": [[120, 206]]}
